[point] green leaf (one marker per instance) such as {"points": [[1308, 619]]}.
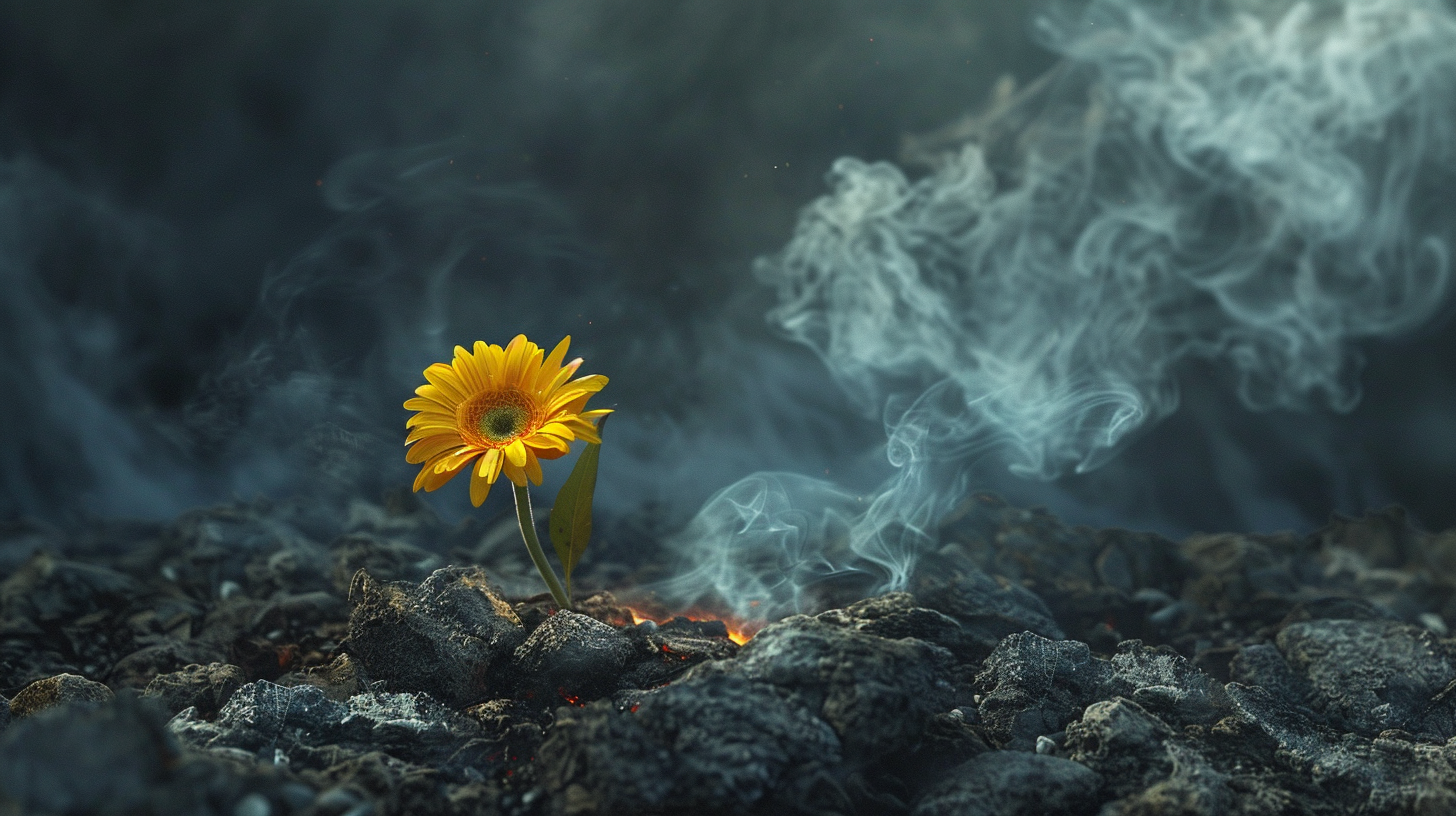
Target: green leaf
{"points": [[571, 523]]}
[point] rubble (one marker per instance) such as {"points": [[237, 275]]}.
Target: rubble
{"points": [[255, 660]]}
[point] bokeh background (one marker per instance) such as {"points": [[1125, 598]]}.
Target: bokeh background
{"points": [[233, 233]]}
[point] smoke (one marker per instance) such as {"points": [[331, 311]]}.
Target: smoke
{"points": [[1194, 182], [231, 237], [74, 432]]}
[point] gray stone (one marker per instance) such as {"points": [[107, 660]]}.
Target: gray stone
{"points": [[1013, 783], [451, 636]]}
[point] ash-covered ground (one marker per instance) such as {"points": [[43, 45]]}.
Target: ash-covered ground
{"points": [[264, 658]]}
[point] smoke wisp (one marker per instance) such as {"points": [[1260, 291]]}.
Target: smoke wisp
{"points": [[1194, 182]]}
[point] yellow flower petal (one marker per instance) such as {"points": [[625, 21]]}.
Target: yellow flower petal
{"points": [[586, 433], [533, 468], [479, 485], [573, 390], [552, 366], [561, 377], [516, 474], [516, 453], [542, 441], [557, 429], [425, 431], [496, 362], [431, 418], [427, 404], [515, 355], [430, 392], [441, 469], [443, 377], [427, 449], [464, 366], [451, 462], [482, 364]]}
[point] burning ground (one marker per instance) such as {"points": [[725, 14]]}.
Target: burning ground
{"points": [[260, 659]]}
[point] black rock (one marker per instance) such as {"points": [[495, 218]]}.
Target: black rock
{"points": [[63, 689], [205, 688], [895, 615], [988, 607], [571, 658], [711, 743], [47, 588], [139, 668], [878, 694], [450, 636], [663, 652], [1383, 775], [1012, 783], [1124, 743], [105, 758], [263, 718], [118, 758], [340, 679], [1036, 686], [1369, 676], [1165, 683]]}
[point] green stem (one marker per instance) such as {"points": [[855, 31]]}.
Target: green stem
{"points": [[533, 546]]}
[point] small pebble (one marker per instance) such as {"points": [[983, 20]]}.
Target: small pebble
{"points": [[254, 804], [1045, 744], [227, 589], [1433, 622], [297, 796], [335, 800]]}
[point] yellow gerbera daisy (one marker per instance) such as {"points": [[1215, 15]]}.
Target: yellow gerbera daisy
{"points": [[504, 409]]}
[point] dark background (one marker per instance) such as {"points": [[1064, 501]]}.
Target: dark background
{"points": [[232, 234]]}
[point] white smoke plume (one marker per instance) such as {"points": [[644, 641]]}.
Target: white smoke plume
{"points": [[1194, 182]]}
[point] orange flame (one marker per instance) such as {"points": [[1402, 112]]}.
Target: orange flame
{"points": [[739, 632]]}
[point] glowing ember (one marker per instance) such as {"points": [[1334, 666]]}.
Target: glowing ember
{"points": [[739, 632]]}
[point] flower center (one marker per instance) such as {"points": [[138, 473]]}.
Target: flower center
{"points": [[503, 422], [494, 419]]}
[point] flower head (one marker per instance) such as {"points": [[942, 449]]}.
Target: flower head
{"points": [[502, 409]]}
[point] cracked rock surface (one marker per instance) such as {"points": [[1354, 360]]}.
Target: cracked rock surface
{"points": [[272, 659]]}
